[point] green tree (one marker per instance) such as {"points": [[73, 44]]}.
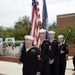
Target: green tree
{"points": [[52, 26], [21, 28], [64, 31]]}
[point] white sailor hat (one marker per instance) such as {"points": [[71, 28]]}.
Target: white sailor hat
{"points": [[60, 36], [51, 32], [42, 31], [29, 37]]}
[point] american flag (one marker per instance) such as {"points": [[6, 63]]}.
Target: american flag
{"points": [[35, 24]]}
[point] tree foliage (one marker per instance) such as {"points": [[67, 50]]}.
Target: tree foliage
{"points": [[20, 29], [22, 26], [64, 31], [53, 26]]}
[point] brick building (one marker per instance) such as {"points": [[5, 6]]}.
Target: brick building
{"points": [[65, 19]]}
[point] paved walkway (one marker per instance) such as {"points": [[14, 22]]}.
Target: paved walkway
{"points": [[2, 74], [9, 68]]}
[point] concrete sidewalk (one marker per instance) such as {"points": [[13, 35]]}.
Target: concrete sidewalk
{"points": [[69, 68], [9, 68]]}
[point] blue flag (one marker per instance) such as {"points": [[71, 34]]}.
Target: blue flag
{"points": [[45, 19]]}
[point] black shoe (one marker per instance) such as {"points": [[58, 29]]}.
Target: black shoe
{"points": [[73, 70]]}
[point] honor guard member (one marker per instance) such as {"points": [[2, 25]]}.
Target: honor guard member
{"points": [[31, 58], [53, 54], [74, 62], [42, 34], [62, 57], [44, 50]]}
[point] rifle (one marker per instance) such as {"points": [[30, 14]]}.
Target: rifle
{"points": [[65, 39]]}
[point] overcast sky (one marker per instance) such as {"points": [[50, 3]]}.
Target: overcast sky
{"points": [[12, 10]]}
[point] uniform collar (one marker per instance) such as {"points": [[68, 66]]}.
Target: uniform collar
{"points": [[52, 40]]}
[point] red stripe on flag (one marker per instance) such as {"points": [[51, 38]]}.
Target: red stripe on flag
{"points": [[35, 24]]}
